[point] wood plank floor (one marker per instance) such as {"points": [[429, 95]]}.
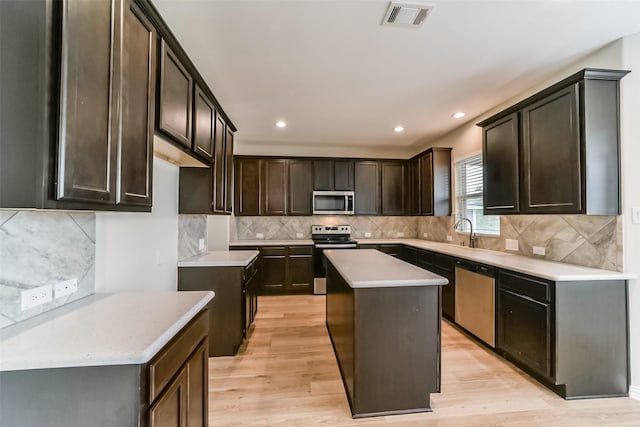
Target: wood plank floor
{"points": [[286, 374]]}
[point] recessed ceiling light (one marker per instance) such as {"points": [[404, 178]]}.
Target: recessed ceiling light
{"points": [[458, 115], [398, 129], [281, 124]]}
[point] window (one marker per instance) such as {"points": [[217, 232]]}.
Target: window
{"points": [[469, 197]]}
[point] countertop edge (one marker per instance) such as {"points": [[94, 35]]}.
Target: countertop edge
{"points": [[195, 262]]}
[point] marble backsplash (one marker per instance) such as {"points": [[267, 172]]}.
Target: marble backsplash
{"points": [[587, 240], [44, 248], [191, 229], [299, 227]]}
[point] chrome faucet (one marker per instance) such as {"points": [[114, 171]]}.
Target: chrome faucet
{"points": [[472, 237]]}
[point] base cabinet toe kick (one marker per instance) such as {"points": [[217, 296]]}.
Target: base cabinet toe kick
{"points": [[387, 341]]}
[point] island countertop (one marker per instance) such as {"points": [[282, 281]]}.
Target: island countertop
{"points": [[220, 259], [369, 268], [101, 329]]}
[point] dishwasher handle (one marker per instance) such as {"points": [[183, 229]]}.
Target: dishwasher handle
{"points": [[485, 270]]}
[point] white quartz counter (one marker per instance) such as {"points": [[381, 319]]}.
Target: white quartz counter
{"points": [[220, 259], [368, 268], [550, 270], [266, 242], [102, 329]]}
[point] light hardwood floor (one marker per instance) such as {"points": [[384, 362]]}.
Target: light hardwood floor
{"points": [[286, 374]]}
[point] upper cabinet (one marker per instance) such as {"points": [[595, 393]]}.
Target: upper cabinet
{"points": [[219, 196], [434, 182], [300, 187], [367, 188], [274, 186], [247, 186], [333, 175], [204, 115], [392, 175], [77, 135], [557, 151], [176, 89]]}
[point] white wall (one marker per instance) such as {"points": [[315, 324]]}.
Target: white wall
{"points": [[139, 251], [630, 135]]}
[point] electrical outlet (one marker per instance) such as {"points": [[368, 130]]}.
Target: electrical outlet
{"points": [[259, 236], [67, 287], [399, 234], [538, 250], [367, 234], [299, 235], [635, 215], [35, 297], [511, 244], [201, 245], [425, 235], [449, 238]]}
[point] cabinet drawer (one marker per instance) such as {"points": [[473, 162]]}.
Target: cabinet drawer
{"points": [[425, 259], [273, 251], [367, 246], [300, 250], [537, 289], [168, 361]]}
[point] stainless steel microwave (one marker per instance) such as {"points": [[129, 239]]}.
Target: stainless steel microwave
{"points": [[333, 202]]}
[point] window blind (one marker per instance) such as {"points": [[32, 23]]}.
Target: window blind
{"points": [[469, 197]]}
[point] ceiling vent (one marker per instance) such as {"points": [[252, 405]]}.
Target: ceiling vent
{"points": [[407, 14]]}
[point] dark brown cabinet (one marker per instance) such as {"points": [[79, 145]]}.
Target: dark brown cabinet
{"points": [[300, 269], [333, 175], [412, 187], [176, 89], [274, 186], [367, 188], [557, 151], [435, 181], [501, 157], [426, 184], [228, 169], [444, 266], [247, 186], [274, 270], [300, 187], [219, 173], [393, 191], [80, 135], [204, 115]]}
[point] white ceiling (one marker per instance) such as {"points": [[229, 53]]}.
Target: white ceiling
{"points": [[338, 77]]}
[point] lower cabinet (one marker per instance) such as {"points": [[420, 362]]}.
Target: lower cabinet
{"points": [[444, 266], [284, 270], [234, 306]]}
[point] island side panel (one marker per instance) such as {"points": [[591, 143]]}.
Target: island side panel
{"points": [[397, 349], [592, 348], [340, 324]]}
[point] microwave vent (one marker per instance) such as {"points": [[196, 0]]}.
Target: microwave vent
{"points": [[407, 14]]}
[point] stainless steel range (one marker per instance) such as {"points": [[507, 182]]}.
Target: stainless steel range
{"points": [[327, 237]]}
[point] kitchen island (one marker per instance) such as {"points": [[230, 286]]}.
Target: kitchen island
{"points": [[135, 358], [383, 318]]}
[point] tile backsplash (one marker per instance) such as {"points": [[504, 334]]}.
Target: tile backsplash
{"points": [[587, 240], [44, 248], [191, 229]]}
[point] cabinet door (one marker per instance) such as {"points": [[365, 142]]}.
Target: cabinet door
{"points": [[426, 184], [247, 186], [246, 303], [203, 124], [444, 266], [274, 186], [367, 188], [412, 187], [552, 180], [219, 177], [176, 87], [300, 187], [87, 149], [198, 378], [228, 167], [392, 188], [323, 175], [137, 108], [273, 272], [501, 158], [170, 409], [393, 250], [524, 330], [343, 175], [300, 269]]}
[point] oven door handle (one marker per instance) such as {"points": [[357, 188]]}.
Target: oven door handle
{"points": [[330, 246]]}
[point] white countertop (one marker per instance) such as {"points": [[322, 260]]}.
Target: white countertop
{"points": [[550, 270], [266, 242], [220, 259], [102, 329], [368, 268]]}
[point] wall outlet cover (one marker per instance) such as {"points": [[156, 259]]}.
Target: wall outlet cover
{"points": [[299, 235], [511, 244], [259, 236], [34, 297], [449, 238], [538, 250], [399, 234], [201, 245], [367, 234], [425, 235], [67, 287]]}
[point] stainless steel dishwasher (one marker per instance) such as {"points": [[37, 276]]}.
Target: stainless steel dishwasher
{"points": [[475, 298]]}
